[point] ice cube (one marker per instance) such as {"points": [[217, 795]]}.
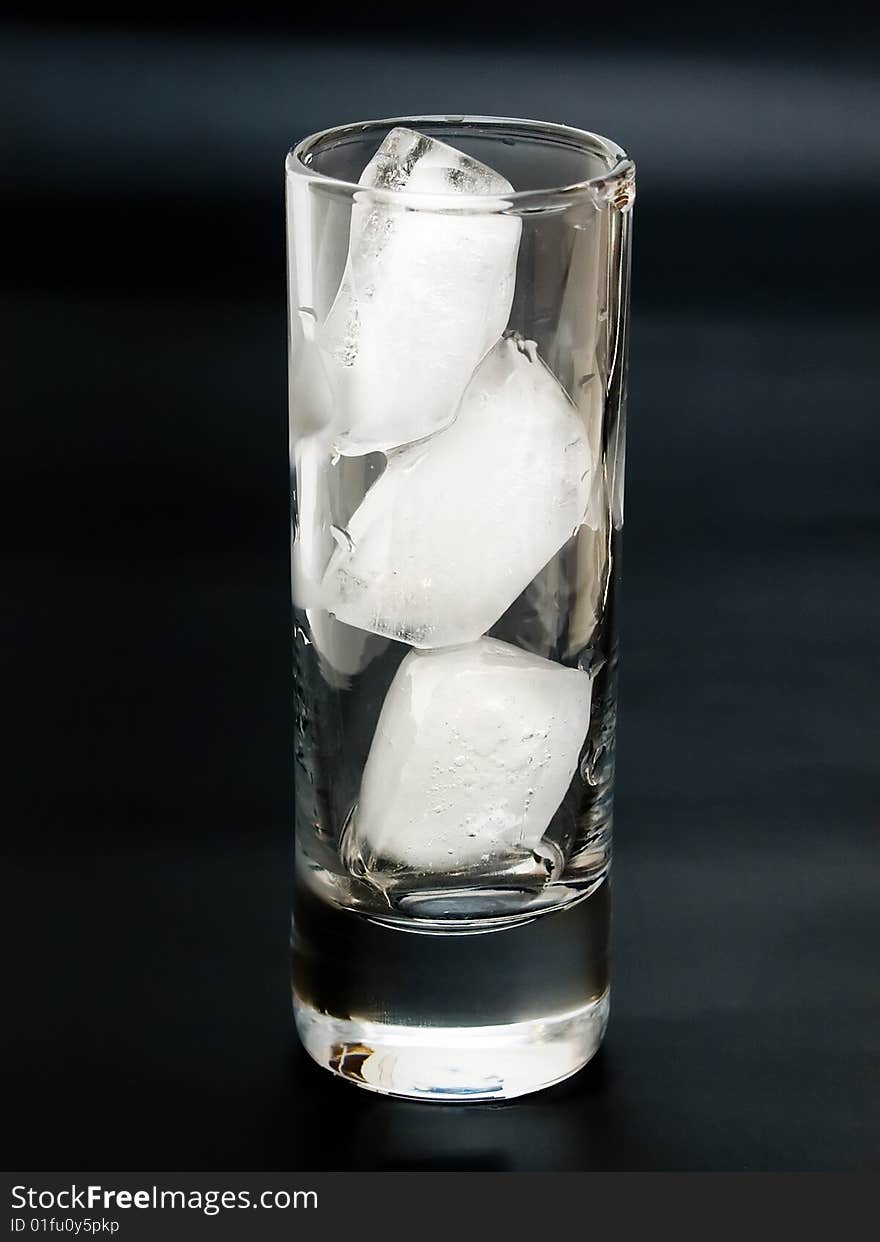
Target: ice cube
{"points": [[473, 753], [458, 526], [424, 296]]}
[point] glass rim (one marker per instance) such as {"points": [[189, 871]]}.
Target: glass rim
{"points": [[615, 185]]}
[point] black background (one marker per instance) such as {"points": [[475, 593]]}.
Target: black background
{"points": [[144, 635]]}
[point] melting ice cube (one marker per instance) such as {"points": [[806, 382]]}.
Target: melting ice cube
{"points": [[458, 526], [473, 753], [424, 296]]}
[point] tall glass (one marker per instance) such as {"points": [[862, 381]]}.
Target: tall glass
{"points": [[458, 322]]}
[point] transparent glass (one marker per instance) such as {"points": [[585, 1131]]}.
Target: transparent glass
{"points": [[458, 294]]}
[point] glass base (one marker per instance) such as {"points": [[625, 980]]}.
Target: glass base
{"points": [[457, 1063]]}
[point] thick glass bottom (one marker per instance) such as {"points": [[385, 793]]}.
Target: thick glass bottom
{"points": [[482, 1016], [457, 1063]]}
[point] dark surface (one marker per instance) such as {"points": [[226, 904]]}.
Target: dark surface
{"points": [[145, 647]]}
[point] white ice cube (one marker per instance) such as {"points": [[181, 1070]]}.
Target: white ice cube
{"points": [[424, 296], [457, 527], [473, 753]]}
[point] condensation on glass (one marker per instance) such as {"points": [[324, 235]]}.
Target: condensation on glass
{"points": [[458, 321]]}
